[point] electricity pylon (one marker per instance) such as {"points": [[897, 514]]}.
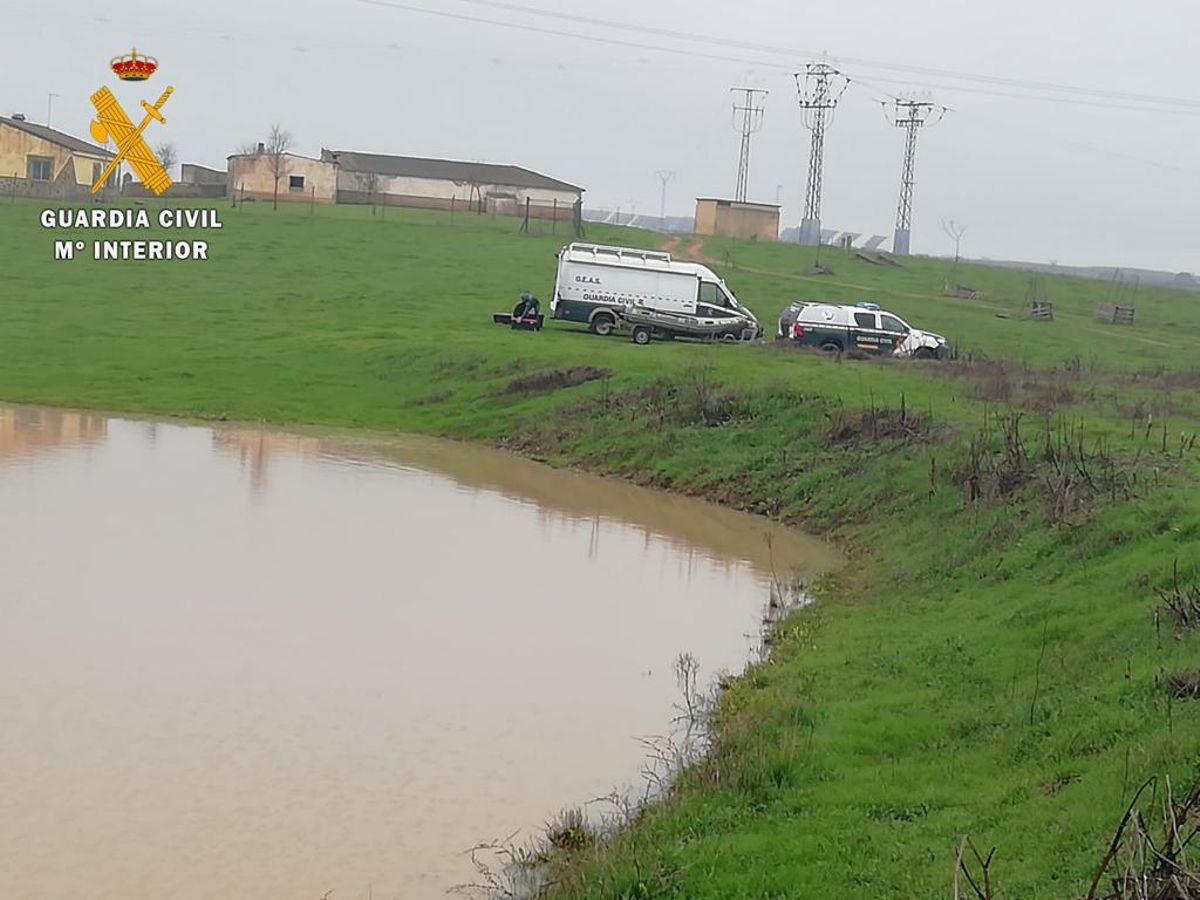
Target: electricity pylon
{"points": [[751, 123], [911, 115], [819, 92]]}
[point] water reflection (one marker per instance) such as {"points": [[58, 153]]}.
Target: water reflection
{"points": [[256, 449], [557, 496], [26, 431], [237, 663]]}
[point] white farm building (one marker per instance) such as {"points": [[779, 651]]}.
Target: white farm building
{"points": [[443, 184]]}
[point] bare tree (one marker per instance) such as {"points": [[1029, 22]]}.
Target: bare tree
{"points": [[370, 183], [278, 142], [474, 192], [955, 232], [167, 155]]}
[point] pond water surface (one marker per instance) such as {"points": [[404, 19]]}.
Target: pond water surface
{"points": [[238, 663]]}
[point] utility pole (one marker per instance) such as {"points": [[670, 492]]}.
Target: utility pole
{"points": [[911, 115], [819, 92], [664, 175], [49, 104], [751, 123]]}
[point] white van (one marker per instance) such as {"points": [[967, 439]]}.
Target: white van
{"points": [[596, 283]]}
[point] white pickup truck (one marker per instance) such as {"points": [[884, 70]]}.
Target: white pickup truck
{"points": [[836, 327]]}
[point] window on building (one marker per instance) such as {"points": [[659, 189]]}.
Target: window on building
{"points": [[39, 168], [865, 320], [295, 182]]}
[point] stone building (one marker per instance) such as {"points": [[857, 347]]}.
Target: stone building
{"points": [[36, 159], [251, 176], [737, 219]]}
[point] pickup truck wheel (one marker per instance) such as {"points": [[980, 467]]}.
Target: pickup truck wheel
{"points": [[642, 334], [831, 347], [603, 324], [924, 353]]}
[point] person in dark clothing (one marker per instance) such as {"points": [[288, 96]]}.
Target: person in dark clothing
{"points": [[529, 306]]}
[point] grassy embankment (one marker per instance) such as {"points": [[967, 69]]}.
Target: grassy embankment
{"points": [[987, 664]]}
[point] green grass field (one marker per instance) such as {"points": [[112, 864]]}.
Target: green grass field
{"points": [[987, 664]]}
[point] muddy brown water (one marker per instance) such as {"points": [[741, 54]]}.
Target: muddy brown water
{"points": [[248, 664]]}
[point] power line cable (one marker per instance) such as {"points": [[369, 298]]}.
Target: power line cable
{"points": [[793, 52], [1185, 107], [1010, 95], [1182, 106]]}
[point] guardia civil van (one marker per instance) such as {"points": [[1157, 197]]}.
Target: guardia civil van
{"points": [[596, 284], [863, 327]]}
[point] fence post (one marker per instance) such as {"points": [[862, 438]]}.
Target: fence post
{"points": [[554, 221], [453, 201], [312, 202]]}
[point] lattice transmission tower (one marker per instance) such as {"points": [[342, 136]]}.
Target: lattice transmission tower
{"points": [[911, 115], [819, 89], [749, 124]]}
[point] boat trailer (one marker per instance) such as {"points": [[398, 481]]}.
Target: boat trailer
{"points": [[644, 324]]}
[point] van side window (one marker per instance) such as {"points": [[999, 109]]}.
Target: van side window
{"points": [[865, 320], [711, 293], [892, 324]]}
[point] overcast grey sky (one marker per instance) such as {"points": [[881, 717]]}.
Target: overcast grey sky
{"points": [[1095, 178]]}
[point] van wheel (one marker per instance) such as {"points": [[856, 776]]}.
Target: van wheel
{"points": [[642, 334], [603, 324], [831, 347]]}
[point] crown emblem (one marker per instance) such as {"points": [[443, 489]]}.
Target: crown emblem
{"points": [[132, 67]]}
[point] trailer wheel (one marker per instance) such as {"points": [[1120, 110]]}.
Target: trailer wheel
{"points": [[603, 324], [642, 334]]}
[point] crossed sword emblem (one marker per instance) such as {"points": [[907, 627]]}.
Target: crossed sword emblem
{"points": [[112, 122]]}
